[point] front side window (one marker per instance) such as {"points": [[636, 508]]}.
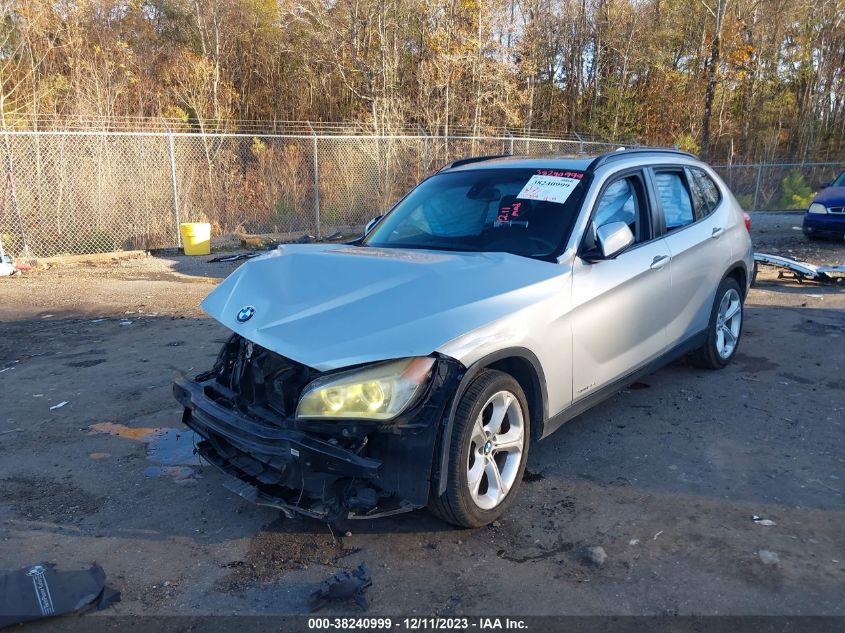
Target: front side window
{"points": [[674, 199], [618, 204], [621, 201], [840, 181], [527, 212]]}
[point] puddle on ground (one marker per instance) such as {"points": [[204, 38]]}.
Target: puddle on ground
{"points": [[182, 475], [171, 449]]}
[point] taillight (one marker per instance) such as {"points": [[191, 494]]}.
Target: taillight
{"points": [[747, 219]]}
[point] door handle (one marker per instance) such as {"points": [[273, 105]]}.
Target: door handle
{"points": [[717, 232], [658, 262]]}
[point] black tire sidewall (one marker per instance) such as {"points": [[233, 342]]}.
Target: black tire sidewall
{"points": [[727, 284], [496, 381]]}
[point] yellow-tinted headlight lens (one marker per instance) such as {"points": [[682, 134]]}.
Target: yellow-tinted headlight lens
{"points": [[379, 392], [373, 395], [333, 398]]}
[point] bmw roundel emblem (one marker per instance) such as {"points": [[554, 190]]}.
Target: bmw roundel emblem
{"points": [[245, 314]]}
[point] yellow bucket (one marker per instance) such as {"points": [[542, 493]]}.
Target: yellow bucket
{"points": [[196, 238]]}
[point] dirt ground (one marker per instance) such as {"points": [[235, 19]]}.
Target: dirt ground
{"points": [[665, 476]]}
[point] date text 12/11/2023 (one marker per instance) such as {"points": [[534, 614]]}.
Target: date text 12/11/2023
{"points": [[416, 624]]}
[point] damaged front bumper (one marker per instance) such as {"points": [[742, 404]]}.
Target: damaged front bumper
{"points": [[330, 470]]}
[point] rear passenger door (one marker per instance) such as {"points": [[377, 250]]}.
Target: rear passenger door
{"points": [[620, 306], [694, 219]]}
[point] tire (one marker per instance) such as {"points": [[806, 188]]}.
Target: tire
{"points": [[719, 349], [487, 395]]}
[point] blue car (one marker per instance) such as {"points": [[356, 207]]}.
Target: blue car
{"points": [[826, 215]]}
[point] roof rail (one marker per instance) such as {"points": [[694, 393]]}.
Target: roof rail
{"points": [[473, 159], [623, 153]]}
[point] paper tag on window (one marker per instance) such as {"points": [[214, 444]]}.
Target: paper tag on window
{"points": [[548, 188]]}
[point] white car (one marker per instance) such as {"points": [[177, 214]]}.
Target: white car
{"points": [[498, 299]]}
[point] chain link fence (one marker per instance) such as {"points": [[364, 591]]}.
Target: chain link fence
{"points": [[778, 186], [87, 192]]}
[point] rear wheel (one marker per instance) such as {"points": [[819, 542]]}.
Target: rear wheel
{"points": [[724, 329], [488, 452]]}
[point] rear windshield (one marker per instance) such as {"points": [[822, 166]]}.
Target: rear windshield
{"points": [[526, 212]]}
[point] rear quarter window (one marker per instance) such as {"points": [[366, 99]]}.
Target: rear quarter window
{"points": [[705, 193]]}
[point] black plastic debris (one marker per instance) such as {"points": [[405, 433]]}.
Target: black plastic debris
{"points": [[233, 258], [342, 587], [39, 591]]}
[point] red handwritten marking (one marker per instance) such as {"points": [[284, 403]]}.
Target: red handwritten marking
{"points": [[577, 175]]}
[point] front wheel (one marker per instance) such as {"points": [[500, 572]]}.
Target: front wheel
{"points": [[488, 451], [724, 329]]}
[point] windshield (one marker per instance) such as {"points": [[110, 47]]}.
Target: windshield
{"points": [[840, 181], [526, 212]]}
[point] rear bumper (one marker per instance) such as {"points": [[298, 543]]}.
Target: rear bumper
{"points": [[343, 470]]}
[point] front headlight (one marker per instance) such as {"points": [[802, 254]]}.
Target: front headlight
{"points": [[380, 392], [817, 207]]}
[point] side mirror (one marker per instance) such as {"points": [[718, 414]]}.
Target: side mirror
{"points": [[614, 238], [824, 185], [369, 225]]}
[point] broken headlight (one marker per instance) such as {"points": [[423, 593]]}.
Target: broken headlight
{"points": [[378, 392]]}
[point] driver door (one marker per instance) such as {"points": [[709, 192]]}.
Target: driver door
{"points": [[620, 305]]}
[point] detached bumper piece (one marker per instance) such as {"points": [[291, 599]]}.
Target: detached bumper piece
{"points": [[801, 271], [327, 470]]}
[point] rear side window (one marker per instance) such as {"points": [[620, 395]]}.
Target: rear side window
{"points": [[674, 199], [705, 193]]}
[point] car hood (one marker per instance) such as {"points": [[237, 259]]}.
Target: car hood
{"points": [[832, 196], [330, 306]]}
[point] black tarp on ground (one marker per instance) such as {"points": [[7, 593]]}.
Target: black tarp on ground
{"points": [[39, 591]]}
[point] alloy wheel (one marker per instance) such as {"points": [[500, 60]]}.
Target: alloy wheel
{"points": [[728, 323], [495, 452]]}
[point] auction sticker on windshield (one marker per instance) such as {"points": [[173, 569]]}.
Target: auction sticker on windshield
{"points": [[548, 188]]}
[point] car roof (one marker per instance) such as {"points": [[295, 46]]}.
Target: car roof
{"points": [[578, 163]]}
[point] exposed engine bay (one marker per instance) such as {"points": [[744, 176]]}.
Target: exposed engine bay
{"points": [[244, 408]]}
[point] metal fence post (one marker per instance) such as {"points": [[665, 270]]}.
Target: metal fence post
{"points": [[580, 142], [13, 194], [172, 150], [425, 152], [757, 187], [316, 183], [511, 137]]}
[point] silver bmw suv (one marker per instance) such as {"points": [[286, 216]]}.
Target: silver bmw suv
{"points": [[498, 299]]}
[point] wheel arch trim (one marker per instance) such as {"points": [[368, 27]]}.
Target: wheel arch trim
{"points": [[741, 268]]}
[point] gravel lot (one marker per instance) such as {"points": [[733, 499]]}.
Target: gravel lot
{"points": [[665, 476]]}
